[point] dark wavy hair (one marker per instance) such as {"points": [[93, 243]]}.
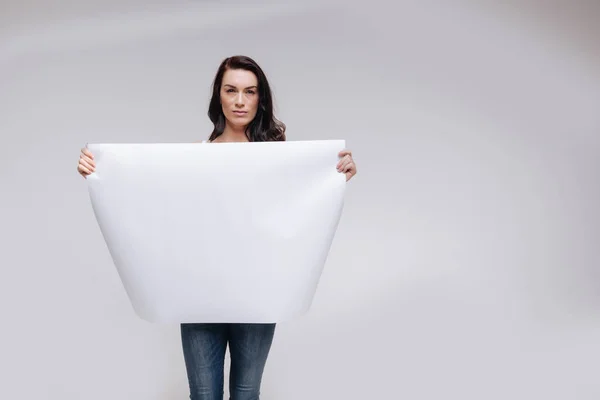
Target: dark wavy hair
{"points": [[264, 127]]}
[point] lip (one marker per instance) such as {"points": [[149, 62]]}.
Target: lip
{"points": [[240, 112]]}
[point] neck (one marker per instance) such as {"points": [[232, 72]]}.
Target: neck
{"points": [[233, 134]]}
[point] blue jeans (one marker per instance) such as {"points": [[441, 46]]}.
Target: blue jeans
{"points": [[204, 348]]}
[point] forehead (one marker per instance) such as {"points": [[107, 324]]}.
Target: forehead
{"points": [[239, 78]]}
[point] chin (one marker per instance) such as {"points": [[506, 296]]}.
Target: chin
{"points": [[238, 124]]}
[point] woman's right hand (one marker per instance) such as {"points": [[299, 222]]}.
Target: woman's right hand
{"points": [[86, 163]]}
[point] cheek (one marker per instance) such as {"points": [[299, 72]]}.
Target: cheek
{"points": [[253, 104], [225, 101]]}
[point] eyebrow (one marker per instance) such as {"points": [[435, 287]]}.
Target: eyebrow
{"points": [[249, 87]]}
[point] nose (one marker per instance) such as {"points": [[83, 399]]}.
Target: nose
{"points": [[239, 100]]}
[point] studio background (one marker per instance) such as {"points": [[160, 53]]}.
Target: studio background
{"points": [[466, 264]]}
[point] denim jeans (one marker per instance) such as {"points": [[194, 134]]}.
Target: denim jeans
{"points": [[204, 348]]}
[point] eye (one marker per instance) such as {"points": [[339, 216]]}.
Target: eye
{"points": [[229, 90], [251, 92]]}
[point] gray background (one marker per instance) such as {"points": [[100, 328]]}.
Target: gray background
{"points": [[466, 264]]}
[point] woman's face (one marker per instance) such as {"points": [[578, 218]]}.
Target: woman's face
{"points": [[239, 97]]}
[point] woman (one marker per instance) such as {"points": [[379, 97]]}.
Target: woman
{"points": [[241, 110]]}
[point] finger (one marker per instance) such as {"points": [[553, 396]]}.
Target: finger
{"points": [[349, 175], [343, 161], [346, 166], [87, 160], [83, 170], [87, 152], [342, 164], [350, 171], [345, 152], [89, 166]]}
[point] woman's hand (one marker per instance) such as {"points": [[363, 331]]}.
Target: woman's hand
{"points": [[346, 164], [86, 164]]}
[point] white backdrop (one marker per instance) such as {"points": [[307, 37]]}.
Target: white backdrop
{"points": [[466, 263]]}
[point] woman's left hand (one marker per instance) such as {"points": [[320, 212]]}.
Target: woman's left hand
{"points": [[346, 164]]}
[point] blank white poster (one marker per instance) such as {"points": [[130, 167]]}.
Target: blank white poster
{"points": [[220, 232]]}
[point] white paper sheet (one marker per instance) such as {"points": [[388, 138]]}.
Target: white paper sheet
{"points": [[218, 232]]}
